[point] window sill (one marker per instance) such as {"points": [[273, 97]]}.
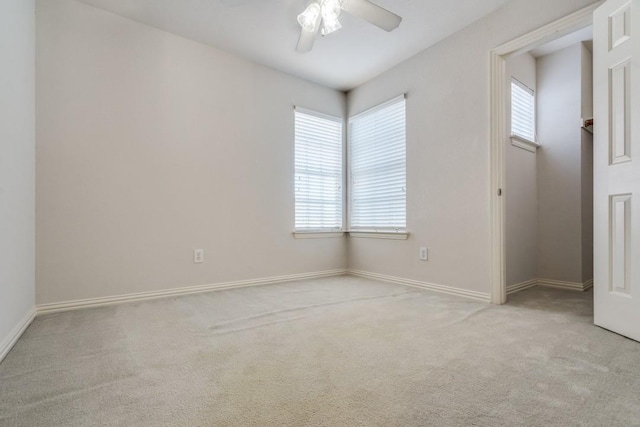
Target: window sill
{"points": [[389, 235], [524, 143], [317, 234]]}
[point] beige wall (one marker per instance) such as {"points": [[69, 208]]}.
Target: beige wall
{"points": [[17, 165], [564, 169], [587, 166], [149, 146], [447, 150], [521, 189]]}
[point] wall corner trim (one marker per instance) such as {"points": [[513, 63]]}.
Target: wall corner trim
{"points": [[558, 284], [449, 290], [512, 289], [7, 344], [572, 286]]}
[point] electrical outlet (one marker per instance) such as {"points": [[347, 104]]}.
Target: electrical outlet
{"points": [[424, 254], [198, 256]]}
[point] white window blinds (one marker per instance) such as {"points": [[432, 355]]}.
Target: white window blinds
{"points": [[318, 172], [377, 168], [523, 111]]}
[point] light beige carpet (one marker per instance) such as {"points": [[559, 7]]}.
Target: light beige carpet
{"points": [[333, 352]]}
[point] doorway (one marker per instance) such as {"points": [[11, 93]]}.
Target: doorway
{"points": [[548, 187], [498, 72]]}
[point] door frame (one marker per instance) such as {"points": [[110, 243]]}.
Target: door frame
{"points": [[498, 57]]}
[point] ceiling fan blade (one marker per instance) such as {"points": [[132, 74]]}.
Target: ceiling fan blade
{"points": [[305, 42], [372, 13]]}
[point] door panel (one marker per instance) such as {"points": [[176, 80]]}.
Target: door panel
{"points": [[616, 51]]}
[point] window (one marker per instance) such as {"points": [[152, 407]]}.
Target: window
{"points": [[318, 172], [377, 168], [523, 111]]}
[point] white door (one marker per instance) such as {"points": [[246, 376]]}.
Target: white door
{"points": [[616, 49]]}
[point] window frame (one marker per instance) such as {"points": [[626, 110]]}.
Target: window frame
{"points": [[310, 233], [379, 232], [518, 140]]}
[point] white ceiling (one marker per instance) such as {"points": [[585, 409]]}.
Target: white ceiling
{"points": [[583, 35], [266, 32]]}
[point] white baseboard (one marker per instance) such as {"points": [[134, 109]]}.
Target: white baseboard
{"points": [[571, 286], [7, 344], [450, 290], [512, 289], [118, 299], [558, 284]]}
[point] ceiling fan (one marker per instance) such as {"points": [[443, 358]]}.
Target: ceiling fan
{"points": [[323, 15]]}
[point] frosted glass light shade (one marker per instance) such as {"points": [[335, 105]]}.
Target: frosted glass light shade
{"points": [[331, 10], [308, 19], [329, 26]]}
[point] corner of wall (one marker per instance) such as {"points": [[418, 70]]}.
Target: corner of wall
{"points": [[17, 133]]}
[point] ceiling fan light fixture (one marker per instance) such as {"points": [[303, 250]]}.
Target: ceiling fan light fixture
{"points": [[324, 15], [308, 19], [331, 9], [330, 25]]}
